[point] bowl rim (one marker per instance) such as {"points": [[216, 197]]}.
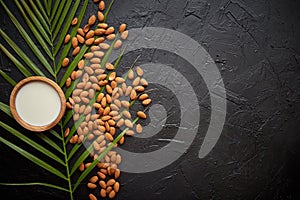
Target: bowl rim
{"points": [[13, 103]]}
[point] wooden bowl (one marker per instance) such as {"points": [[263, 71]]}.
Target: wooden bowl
{"points": [[14, 110]]}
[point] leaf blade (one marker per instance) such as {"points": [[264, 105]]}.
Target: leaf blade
{"points": [[31, 143], [20, 67], [7, 78], [22, 55], [33, 158], [28, 40]]}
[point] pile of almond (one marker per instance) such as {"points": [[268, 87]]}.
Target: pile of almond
{"points": [[101, 101]]}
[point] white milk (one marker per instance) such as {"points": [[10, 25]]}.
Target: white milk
{"points": [[38, 103]]}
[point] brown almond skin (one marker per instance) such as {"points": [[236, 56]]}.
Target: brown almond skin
{"points": [[143, 97], [110, 30], [80, 32], [86, 28], [144, 82], [100, 16], [139, 71], [139, 88], [128, 123], [68, 82], [117, 173], [74, 21], [117, 187], [67, 38], [65, 62], [118, 44], [111, 36], [109, 66], [133, 94], [81, 167], [103, 25], [130, 132], [102, 183], [104, 46], [80, 39], [109, 137], [119, 159], [141, 114], [125, 104], [110, 182], [139, 128], [101, 5], [91, 185], [100, 31], [74, 42], [76, 51], [90, 34], [122, 28], [103, 193], [69, 106], [146, 102], [130, 74], [92, 197], [88, 55], [94, 179], [92, 20], [66, 133], [122, 140], [101, 175], [80, 64], [90, 41], [124, 35], [112, 194], [99, 40]]}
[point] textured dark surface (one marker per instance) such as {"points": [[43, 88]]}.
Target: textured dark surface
{"points": [[256, 47]]}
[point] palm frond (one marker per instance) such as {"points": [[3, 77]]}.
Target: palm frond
{"points": [[33, 158]]}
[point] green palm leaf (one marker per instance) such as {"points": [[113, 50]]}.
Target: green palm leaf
{"points": [[46, 24]]}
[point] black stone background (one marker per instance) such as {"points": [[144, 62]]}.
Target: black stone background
{"points": [[256, 47]]}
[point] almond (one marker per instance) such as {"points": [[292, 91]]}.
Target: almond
{"points": [[112, 194], [141, 114], [80, 32], [80, 39], [100, 16], [99, 40], [91, 185], [110, 30], [94, 179], [111, 36], [89, 41], [117, 187], [143, 97], [76, 51], [90, 34], [65, 62], [122, 28], [118, 44], [139, 128], [128, 123], [146, 102], [67, 38], [104, 46], [92, 20], [130, 74], [74, 21], [68, 82], [99, 31], [74, 42], [124, 35], [101, 5], [92, 197], [103, 193], [109, 66]]}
